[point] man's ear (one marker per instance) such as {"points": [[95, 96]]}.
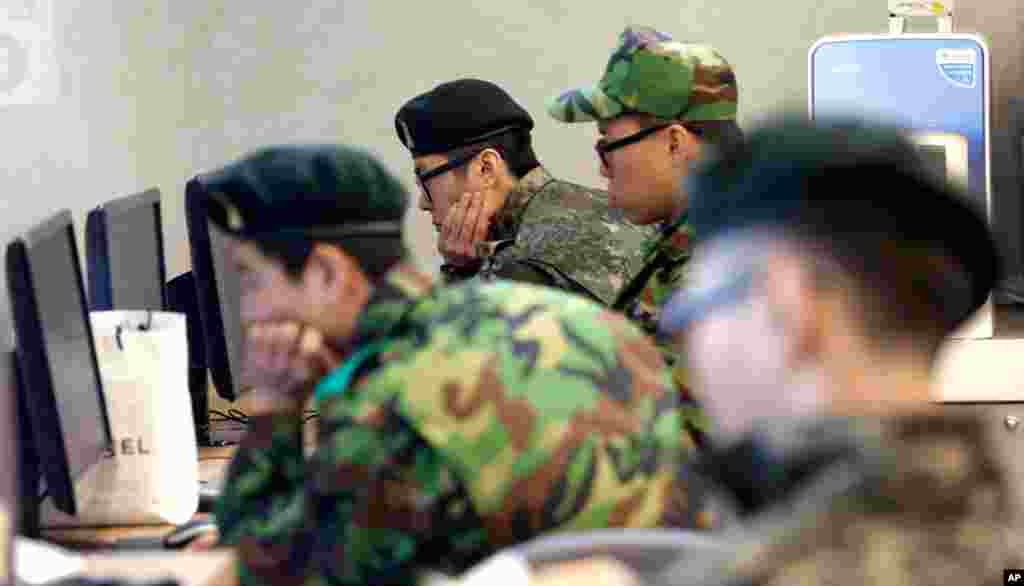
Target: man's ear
{"points": [[683, 144], [796, 306], [489, 164]]}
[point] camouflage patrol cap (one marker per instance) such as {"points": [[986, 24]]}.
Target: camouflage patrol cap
{"points": [[315, 191], [859, 184], [651, 73]]}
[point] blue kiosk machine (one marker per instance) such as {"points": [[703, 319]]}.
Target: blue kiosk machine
{"points": [[936, 85]]}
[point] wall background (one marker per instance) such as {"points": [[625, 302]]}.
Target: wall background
{"points": [[149, 93]]}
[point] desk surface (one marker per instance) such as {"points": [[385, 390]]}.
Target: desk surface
{"points": [[213, 465], [213, 568]]}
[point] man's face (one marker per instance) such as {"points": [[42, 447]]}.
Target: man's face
{"points": [[644, 177], [268, 293], [735, 346], [440, 192], [328, 296]]}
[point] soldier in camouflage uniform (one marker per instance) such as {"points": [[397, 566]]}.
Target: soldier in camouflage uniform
{"points": [[499, 213], [453, 420], [795, 310], [659, 106]]}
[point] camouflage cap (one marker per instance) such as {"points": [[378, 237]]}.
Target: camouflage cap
{"points": [[318, 191], [650, 73]]}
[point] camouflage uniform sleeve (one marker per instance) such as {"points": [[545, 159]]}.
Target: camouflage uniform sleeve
{"points": [[262, 494], [374, 502]]}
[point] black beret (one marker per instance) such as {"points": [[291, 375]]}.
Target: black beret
{"points": [[457, 114], [859, 180], [317, 191]]}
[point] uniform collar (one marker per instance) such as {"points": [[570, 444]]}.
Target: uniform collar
{"points": [[674, 239], [941, 458], [507, 221], [771, 464], [402, 290]]}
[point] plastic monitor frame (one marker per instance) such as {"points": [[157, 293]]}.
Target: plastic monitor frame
{"points": [[103, 275], [981, 326], [36, 378], [211, 289]]}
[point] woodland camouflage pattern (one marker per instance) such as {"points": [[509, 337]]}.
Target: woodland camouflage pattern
{"points": [[923, 500], [550, 223], [497, 412], [652, 73], [665, 256]]}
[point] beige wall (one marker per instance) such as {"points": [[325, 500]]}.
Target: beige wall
{"points": [[152, 92]]}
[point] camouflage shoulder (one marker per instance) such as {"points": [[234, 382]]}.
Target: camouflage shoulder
{"points": [[919, 483], [572, 228], [506, 379]]}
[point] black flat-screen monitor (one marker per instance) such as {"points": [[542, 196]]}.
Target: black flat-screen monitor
{"points": [[218, 293], [57, 366], [124, 248]]}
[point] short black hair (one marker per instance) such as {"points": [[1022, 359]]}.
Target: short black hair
{"points": [[723, 135], [901, 295], [515, 147]]}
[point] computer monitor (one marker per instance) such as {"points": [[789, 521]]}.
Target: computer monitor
{"points": [[218, 293], [945, 155], [59, 374], [124, 248]]}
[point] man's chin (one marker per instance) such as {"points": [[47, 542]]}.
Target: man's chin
{"points": [[637, 217], [632, 215]]}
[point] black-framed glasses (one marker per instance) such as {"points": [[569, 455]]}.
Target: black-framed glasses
{"points": [[422, 178], [688, 306], [604, 147]]}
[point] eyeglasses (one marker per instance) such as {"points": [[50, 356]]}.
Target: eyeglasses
{"points": [[687, 306], [422, 178], [603, 147]]}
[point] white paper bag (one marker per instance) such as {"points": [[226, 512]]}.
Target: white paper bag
{"points": [[153, 475]]}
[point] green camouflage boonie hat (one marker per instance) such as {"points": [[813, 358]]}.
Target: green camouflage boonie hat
{"points": [[650, 73]]}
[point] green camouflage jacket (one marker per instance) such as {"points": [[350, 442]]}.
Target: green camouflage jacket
{"points": [[914, 499], [559, 234], [664, 271], [494, 413]]}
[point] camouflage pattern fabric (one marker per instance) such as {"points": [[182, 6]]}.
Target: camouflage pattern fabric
{"points": [[917, 499], [650, 72], [663, 273], [567, 234], [496, 413]]}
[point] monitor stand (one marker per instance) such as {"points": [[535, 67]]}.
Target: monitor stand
{"points": [[197, 390], [28, 469]]}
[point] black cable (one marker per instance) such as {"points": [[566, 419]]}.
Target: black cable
{"points": [[239, 417]]}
